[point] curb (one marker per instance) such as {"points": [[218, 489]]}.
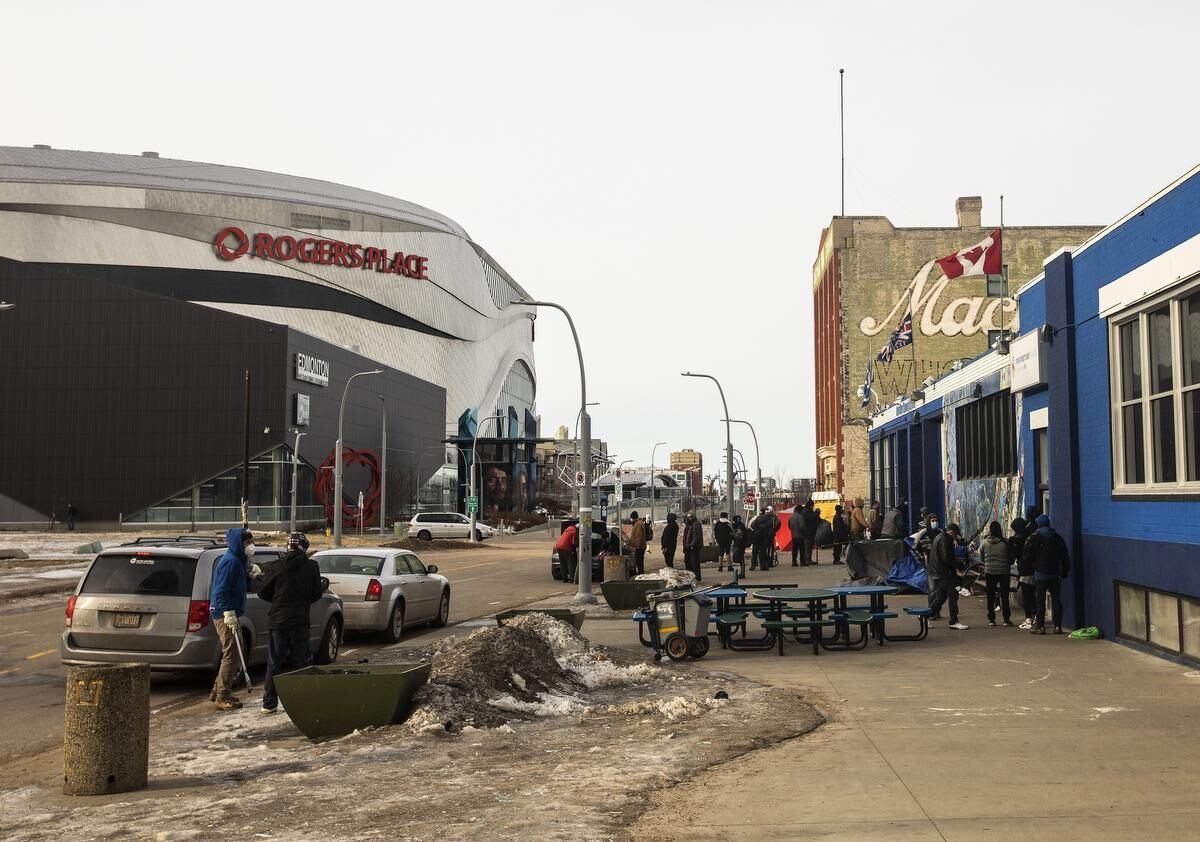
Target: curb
{"points": [[37, 590]]}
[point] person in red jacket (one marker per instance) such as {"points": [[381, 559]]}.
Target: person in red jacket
{"points": [[568, 551]]}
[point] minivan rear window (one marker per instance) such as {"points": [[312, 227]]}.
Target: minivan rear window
{"points": [[145, 575]]}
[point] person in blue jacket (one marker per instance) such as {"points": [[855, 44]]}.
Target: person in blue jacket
{"points": [[231, 578]]}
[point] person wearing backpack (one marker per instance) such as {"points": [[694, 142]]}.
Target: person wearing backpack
{"points": [[741, 539], [638, 541], [1016, 551], [1051, 564]]}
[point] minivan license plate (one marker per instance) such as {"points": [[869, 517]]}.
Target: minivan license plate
{"points": [[127, 621]]}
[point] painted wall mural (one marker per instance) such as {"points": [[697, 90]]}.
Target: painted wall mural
{"points": [[974, 503]]}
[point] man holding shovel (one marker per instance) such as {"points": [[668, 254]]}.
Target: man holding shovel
{"points": [[231, 577]]}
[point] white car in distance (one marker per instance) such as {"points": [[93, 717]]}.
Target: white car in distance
{"points": [[430, 525]]}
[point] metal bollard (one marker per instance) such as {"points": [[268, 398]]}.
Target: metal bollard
{"points": [[106, 731]]}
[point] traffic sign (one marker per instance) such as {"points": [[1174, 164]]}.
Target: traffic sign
{"points": [[472, 505], [579, 479], [750, 497], [617, 488]]}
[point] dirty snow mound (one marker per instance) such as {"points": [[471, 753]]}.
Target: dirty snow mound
{"points": [[534, 666], [673, 576], [506, 662]]}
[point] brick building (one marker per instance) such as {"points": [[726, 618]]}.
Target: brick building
{"points": [[692, 462], [867, 275]]}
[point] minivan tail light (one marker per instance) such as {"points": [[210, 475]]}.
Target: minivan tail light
{"points": [[71, 609], [198, 615], [374, 591]]}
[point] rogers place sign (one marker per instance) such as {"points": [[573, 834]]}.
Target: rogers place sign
{"points": [[232, 243]]}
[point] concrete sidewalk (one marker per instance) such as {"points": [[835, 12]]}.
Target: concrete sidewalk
{"points": [[985, 733]]}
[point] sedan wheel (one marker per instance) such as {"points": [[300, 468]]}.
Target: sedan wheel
{"points": [[395, 627], [331, 642], [443, 615]]}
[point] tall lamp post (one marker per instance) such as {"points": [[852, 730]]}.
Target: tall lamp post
{"points": [[585, 595], [620, 499], [653, 450], [757, 466], [383, 469], [728, 437], [575, 461], [337, 461], [295, 474], [474, 492]]}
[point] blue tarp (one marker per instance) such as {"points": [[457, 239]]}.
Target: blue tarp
{"points": [[908, 573]]}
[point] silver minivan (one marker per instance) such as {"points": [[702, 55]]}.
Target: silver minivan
{"points": [[149, 602], [430, 525]]}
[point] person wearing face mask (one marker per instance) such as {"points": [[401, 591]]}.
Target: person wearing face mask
{"points": [[943, 570], [231, 577]]}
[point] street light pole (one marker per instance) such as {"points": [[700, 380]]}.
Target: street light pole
{"points": [[295, 474], [728, 437], [383, 470], [620, 499], [575, 459], [585, 595], [653, 450], [474, 493], [757, 466], [337, 461]]}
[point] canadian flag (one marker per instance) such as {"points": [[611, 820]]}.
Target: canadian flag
{"points": [[980, 259]]}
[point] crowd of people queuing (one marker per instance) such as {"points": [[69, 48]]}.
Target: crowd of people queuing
{"points": [[1032, 544], [1039, 552]]}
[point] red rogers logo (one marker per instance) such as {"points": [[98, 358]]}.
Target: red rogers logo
{"points": [[232, 242]]}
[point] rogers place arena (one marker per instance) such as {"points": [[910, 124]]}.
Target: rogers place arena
{"points": [[167, 319]]}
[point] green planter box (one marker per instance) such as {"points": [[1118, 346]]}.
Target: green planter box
{"points": [[572, 616], [335, 700], [631, 595]]}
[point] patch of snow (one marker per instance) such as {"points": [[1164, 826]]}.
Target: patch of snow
{"points": [[674, 577]]}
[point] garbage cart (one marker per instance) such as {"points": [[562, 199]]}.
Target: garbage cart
{"points": [[677, 621]]}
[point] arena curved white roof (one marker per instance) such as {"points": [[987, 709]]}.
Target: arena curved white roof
{"points": [[65, 166]]}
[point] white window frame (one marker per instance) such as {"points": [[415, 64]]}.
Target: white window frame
{"points": [[1174, 300]]}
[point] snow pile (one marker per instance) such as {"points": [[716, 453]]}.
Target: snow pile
{"points": [[505, 662], [533, 666], [674, 577]]}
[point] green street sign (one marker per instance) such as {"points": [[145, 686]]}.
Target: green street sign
{"points": [[472, 505]]}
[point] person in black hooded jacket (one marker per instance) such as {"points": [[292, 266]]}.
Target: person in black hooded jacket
{"points": [[670, 539], [291, 588]]}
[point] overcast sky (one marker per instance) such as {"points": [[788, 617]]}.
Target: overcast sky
{"points": [[663, 169]]}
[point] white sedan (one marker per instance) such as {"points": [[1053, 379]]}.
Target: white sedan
{"points": [[385, 590]]}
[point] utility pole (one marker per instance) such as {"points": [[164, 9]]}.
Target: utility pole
{"points": [[383, 471], [246, 459], [295, 475]]}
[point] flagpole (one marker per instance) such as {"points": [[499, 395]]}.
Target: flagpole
{"points": [[912, 341], [1003, 269], [842, 97]]}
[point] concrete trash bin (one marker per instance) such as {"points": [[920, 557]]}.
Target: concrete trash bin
{"points": [[106, 730], [616, 568]]}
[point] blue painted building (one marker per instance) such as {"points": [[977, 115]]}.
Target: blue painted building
{"points": [[1093, 417]]}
